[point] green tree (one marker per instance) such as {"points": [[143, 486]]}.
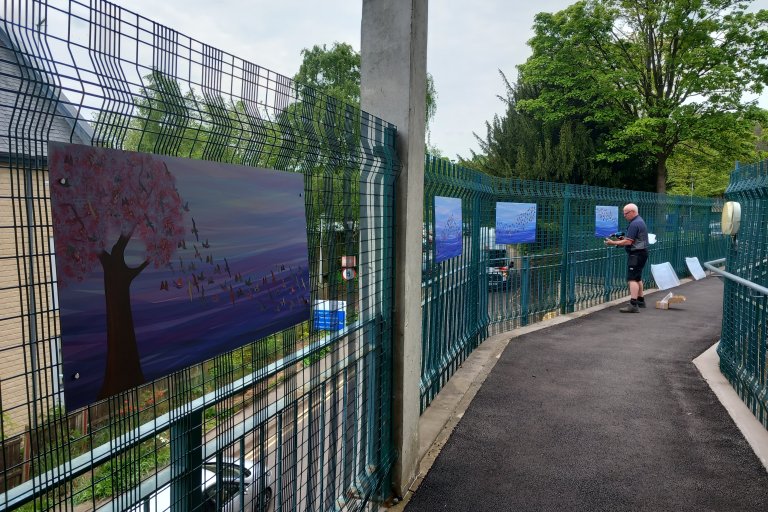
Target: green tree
{"points": [[650, 75], [336, 72], [167, 120], [701, 169], [170, 121], [325, 120], [519, 145]]}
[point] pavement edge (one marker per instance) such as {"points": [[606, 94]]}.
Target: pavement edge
{"points": [[708, 364]]}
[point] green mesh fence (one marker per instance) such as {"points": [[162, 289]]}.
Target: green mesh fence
{"points": [[300, 419], [742, 347], [490, 288]]}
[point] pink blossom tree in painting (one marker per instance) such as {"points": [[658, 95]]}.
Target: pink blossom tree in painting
{"points": [[103, 200]]}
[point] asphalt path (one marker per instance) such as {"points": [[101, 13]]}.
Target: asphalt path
{"points": [[605, 412]]}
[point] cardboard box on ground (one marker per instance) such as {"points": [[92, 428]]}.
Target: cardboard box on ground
{"points": [[669, 299]]}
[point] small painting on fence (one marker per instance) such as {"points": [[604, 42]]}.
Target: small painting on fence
{"points": [[165, 262], [448, 228], [606, 220], [515, 223]]}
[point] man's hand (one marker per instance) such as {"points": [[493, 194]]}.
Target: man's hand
{"points": [[608, 242]]}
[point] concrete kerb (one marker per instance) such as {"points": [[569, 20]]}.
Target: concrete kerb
{"points": [[753, 431], [437, 423]]}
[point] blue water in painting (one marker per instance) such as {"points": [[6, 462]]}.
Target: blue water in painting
{"points": [[446, 248], [605, 229], [520, 236], [178, 333]]}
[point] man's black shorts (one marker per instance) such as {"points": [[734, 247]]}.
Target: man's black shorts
{"points": [[635, 263]]}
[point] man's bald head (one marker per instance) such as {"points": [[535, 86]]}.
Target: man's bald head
{"points": [[630, 211]]}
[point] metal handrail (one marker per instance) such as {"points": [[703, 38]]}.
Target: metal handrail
{"points": [[740, 280], [81, 464]]}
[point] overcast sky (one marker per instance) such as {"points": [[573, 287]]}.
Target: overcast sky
{"points": [[469, 42]]}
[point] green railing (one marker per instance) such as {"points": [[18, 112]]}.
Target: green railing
{"points": [[492, 288], [309, 407], [742, 347]]}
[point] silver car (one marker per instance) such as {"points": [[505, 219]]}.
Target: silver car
{"points": [[229, 497]]}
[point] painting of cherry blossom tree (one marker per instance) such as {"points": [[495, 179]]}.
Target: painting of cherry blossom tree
{"points": [[164, 262]]}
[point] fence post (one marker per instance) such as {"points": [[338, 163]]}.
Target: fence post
{"points": [[564, 273], [480, 320], [571, 286], [608, 275], [186, 462], [393, 81], [525, 289]]}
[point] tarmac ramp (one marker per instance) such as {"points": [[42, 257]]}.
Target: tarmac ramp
{"points": [[606, 412]]}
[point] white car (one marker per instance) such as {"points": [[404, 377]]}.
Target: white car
{"points": [[229, 489]]}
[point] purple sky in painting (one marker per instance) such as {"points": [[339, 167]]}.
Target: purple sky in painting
{"points": [[255, 218]]}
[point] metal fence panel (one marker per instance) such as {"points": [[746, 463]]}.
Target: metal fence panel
{"points": [[493, 288], [742, 347], [308, 407]]}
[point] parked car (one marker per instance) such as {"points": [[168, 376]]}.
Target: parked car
{"points": [[228, 476], [500, 270]]}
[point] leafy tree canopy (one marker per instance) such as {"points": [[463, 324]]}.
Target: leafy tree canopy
{"points": [[701, 169], [519, 145], [336, 72], [650, 74]]}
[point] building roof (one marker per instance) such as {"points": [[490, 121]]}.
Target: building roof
{"points": [[33, 110]]}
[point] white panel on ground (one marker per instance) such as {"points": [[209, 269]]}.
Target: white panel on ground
{"points": [[664, 275], [694, 267]]}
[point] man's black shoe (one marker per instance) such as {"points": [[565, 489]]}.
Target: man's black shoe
{"points": [[630, 308], [641, 304]]}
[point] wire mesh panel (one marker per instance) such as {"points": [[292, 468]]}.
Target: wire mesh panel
{"points": [[299, 419], [562, 266], [453, 320], [742, 347]]}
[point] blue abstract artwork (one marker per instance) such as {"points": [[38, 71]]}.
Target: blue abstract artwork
{"points": [[165, 262], [515, 223], [606, 220], [447, 228]]}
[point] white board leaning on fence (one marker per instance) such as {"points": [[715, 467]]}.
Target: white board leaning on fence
{"points": [[664, 275], [694, 267]]}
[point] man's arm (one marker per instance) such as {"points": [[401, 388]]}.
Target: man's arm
{"points": [[619, 243]]}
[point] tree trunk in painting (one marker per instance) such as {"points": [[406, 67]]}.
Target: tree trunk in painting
{"points": [[123, 367]]}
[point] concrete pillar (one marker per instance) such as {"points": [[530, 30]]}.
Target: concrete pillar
{"points": [[393, 87]]}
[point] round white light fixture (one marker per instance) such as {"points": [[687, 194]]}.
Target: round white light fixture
{"points": [[731, 219]]}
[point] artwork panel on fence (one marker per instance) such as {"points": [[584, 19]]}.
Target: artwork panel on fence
{"points": [[515, 223], [164, 262], [448, 228], [694, 267], [606, 220], [664, 276]]}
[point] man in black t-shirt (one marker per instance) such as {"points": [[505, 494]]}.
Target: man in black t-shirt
{"points": [[635, 242]]}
